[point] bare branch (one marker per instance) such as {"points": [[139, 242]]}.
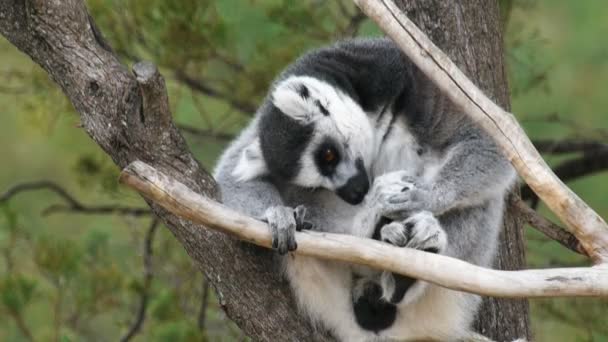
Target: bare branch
{"points": [[591, 162], [202, 314], [39, 185], [21, 325], [145, 289], [352, 26], [547, 227], [205, 133], [97, 210], [568, 146], [438, 269], [502, 126], [72, 204]]}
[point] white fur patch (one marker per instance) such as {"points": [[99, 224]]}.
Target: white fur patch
{"points": [[251, 163], [287, 98]]}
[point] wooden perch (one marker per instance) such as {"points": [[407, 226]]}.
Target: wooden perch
{"points": [[438, 269], [581, 220]]}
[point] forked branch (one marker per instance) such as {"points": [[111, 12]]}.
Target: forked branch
{"points": [[438, 269]]}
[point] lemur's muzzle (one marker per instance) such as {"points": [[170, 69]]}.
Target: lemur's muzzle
{"points": [[356, 187]]}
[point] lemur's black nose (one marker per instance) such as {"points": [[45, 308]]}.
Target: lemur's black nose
{"points": [[355, 188]]}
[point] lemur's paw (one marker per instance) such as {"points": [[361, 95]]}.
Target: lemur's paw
{"points": [[420, 231], [398, 194], [284, 222]]}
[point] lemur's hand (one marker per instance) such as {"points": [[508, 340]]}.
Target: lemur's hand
{"points": [[397, 194], [284, 222]]}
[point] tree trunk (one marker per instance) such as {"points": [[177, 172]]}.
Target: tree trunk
{"points": [[469, 32], [127, 116]]}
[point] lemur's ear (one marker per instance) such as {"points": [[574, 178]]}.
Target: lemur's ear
{"points": [[296, 98], [251, 163]]}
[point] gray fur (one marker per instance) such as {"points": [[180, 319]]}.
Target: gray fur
{"points": [[437, 175]]}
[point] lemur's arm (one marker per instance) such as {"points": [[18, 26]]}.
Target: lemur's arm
{"points": [[240, 175], [472, 171]]}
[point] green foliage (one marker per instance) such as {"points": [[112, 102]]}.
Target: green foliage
{"points": [[16, 292], [75, 277]]}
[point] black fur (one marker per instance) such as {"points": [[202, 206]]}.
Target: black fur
{"points": [[359, 75], [322, 108], [283, 140], [372, 312], [303, 91], [356, 187]]}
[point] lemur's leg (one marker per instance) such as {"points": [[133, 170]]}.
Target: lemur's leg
{"points": [[375, 301], [420, 231]]}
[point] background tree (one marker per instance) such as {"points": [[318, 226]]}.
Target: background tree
{"points": [[215, 58]]}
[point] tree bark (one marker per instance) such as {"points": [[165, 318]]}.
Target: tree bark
{"points": [[469, 32], [117, 112]]}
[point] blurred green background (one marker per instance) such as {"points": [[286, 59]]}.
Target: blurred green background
{"points": [[68, 273]]}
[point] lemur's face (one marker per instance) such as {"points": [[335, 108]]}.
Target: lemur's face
{"points": [[340, 144], [315, 136]]}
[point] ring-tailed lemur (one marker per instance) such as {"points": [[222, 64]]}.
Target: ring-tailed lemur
{"points": [[335, 121]]}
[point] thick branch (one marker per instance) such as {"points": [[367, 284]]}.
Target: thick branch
{"points": [[502, 126], [438, 269]]}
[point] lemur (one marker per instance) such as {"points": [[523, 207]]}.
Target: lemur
{"points": [[349, 141]]}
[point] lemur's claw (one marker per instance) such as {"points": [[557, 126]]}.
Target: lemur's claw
{"points": [[284, 222]]}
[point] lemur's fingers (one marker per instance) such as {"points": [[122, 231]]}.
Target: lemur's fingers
{"points": [[283, 226], [300, 215], [395, 233], [426, 233]]}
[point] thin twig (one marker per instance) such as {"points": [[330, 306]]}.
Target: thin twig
{"points": [[202, 314], [71, 205], [550, 229], [39, 185], [568, 146], [352, 27], [145, 290], [205, 133], [97, 210], [590, 163], [21, 325], [200, 86]]}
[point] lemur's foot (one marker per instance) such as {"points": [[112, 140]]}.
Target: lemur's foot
{"points": [[420, 231], [284, 222]]}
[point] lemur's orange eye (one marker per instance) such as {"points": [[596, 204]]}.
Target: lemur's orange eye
{"points": [[329, 155]]}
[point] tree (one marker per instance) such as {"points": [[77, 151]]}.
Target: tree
{"points": [[64, 40]]}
